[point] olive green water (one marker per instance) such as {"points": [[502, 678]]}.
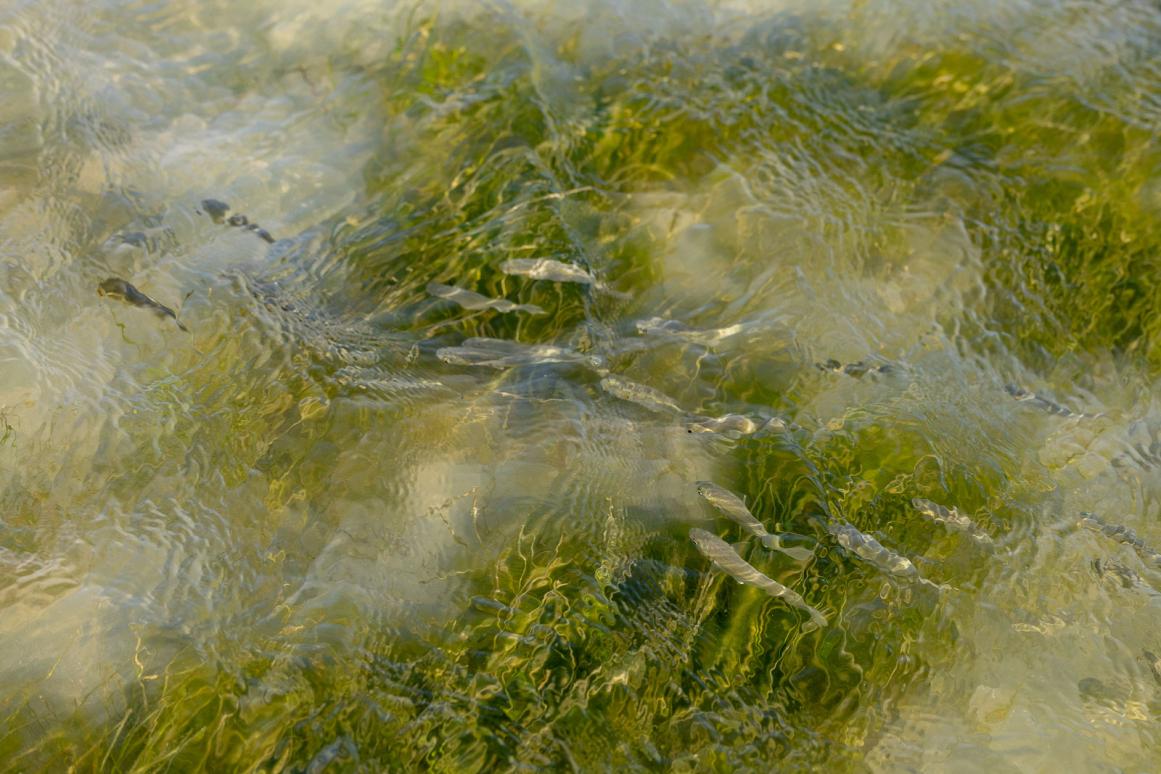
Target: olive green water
{"points": [[316, 533]]}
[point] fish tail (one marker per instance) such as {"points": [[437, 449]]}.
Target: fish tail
{"points": [[773, 542]]}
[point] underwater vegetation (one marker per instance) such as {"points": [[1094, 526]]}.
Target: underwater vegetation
{"points": [[646, 386]]}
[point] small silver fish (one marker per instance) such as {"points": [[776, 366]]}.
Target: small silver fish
{"points": [[774, 426], [726, 559], [642, 395], [217, 210], [547, 269], [1120, 534], [501, 353], [123, 291], [856, 369], [1044, 404], [556, 271], [473, 301], [735, 509], [729, 424], [663, 327], [1154, 664], [952, 519], [1119, 573], [873, 552]]}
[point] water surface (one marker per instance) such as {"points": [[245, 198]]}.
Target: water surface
{"points": [[418, 487]]}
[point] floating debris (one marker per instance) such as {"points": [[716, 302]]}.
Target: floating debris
{"points": [[1120, 534], [952, 519], [726, 559], [502, 353], [547, 269], [735, 509], [123, 291], [857, 369], [1043, 403], [641, 394], [473, 301], [873, 552], [217, 210]]}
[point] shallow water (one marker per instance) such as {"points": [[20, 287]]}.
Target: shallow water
{"points": [[833, 257]]}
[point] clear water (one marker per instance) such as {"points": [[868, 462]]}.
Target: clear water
{"points": [[347, 524]]}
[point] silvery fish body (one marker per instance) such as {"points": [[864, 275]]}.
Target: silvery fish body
{"points": [[856, 369], [735, 509], [501, 353], [726, 559], [660, 326], [731, 505], [735, 424], [873, 552], [952, 519], [1121, 534], [1045, 404], [473, 301], [547, 269], [642, 395]]}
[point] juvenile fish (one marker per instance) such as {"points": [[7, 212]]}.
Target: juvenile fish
{"points": [[873, 552], [501, 353], [217, 210], [150, 239], [473, 301], [775, 425], [726, 559], [1041, 402], [123, 291], [735, 509], [735, 424], [556, 271], [952, 519], [1120, 534], [660, 326], [241, 221], [1154, 665], [856, 369], [547, 269], [641, 394], [1118, 572]]}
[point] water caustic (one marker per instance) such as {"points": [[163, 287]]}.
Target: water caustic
{"points": [[420, 486]]}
